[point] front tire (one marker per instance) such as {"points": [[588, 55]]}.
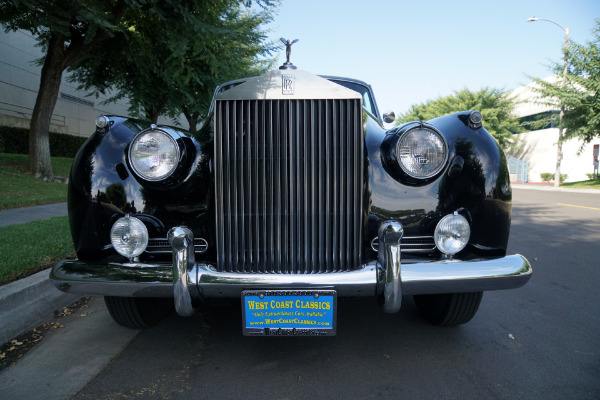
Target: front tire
{"points": [[449, 309], [138, 312]]}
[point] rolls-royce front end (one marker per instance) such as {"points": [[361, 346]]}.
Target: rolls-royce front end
{"points": [[292, 194]]}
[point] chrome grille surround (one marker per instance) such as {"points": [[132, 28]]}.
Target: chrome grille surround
{"points": [[289, 185]]}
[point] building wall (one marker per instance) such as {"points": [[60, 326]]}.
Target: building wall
{"points": [[75, 110], [539, 147]]}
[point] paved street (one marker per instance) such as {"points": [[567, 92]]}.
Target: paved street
{"points": [[541, 341]]}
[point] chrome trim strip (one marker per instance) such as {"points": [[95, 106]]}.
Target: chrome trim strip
{"points": [[162, 246], [389, 257], [424, 244]]}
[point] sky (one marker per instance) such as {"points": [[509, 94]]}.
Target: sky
{"points": [[414, 51]]}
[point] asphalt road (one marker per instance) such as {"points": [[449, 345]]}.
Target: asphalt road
{"points": [[541, 341]]}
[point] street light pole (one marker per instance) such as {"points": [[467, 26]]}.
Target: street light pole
{"points": [[559, 153]]}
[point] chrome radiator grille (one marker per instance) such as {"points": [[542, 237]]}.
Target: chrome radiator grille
{"points": [[289, 184]]}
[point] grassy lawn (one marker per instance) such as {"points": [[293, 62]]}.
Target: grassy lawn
{"points": [[18, 188], [33, 246], [591, 184]]}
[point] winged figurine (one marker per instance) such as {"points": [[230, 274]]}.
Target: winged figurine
{"points": [[288, 48]]}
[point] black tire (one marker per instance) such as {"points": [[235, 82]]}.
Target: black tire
{"points": [[138, 312], [448, 309]]}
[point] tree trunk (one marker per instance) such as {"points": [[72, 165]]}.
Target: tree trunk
{"points": [[153, 112], [40, 163], [192, 119]]}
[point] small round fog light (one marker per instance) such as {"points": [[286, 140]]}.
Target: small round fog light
{"points": [[452, 234], [129, 236]]}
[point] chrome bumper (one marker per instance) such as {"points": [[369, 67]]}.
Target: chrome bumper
{"points": [[189, 281]]}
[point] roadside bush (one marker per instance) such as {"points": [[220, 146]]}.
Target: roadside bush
{"points": [[549, 177], [16, 141]]}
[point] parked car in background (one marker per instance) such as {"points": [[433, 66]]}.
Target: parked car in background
{"points": [[292, 195]]}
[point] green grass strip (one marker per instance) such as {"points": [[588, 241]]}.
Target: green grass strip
{"points": [[18, 188], [34, 246], [591, 184]]}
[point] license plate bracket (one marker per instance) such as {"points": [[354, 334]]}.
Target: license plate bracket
{"points": [[289, 312]]}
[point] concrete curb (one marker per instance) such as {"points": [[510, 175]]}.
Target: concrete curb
{"points": [[29, 302]]}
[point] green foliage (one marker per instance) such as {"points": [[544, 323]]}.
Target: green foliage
{"points": [[171, 64], [494, 104], [21, 189], [70, 33], [16, 140], [33, 246], [77, 23], [579, 93], [549, 177]]}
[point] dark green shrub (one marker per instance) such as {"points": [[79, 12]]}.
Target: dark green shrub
{"points": [[16, 141], [64, 145]]}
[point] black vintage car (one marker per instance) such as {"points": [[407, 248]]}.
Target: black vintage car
{"points": [[291, 195]]}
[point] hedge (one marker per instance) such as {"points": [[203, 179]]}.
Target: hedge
{"points": [[549, 176], [16, 141]]}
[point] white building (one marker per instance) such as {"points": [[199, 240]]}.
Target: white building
{"points": [[538, 147], [75, 111]]}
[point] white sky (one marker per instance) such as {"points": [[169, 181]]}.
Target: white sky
{"points": [[412, 51]]}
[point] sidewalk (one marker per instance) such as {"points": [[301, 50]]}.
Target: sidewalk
{"points": [[551, 188], [16, 216], [67, 359], [29, 302]]}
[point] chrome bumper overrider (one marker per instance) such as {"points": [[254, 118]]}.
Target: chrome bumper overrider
{"points": [[189, 281]]}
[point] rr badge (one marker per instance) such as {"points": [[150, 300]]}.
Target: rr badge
{"points": [[287, 84]]}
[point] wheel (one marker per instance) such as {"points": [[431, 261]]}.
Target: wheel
{"points": [[138, 312], [448, 309]]}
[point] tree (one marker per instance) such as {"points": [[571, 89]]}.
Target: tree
{"points": [[65, 30], [578, 91], [69, 30], [174, 71], [236, 56], [494, 104]]}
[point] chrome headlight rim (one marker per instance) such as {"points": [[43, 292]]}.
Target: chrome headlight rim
{"points": [[172, 138], [443, 146]]}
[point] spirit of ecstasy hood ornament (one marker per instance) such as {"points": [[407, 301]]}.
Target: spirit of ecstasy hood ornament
{"points": [[288, 50]]}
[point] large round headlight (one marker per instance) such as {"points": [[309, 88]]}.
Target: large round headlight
{"points": [[421, 152], [129, 236], [154, 154], [452, 234]]}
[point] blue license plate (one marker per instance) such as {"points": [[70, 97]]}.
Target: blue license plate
{"points": [[289, 312]]}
